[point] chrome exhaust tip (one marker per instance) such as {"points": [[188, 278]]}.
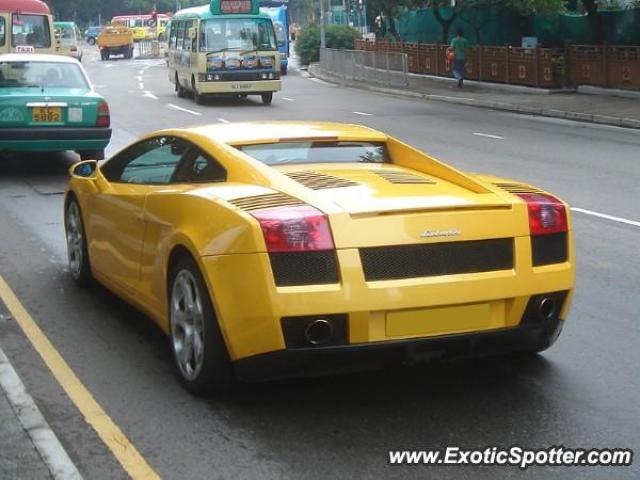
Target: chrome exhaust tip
{"points": [[318, 332], [547, 308]]}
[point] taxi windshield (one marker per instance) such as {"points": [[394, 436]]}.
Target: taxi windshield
{"points": [[317, 152], [41, 75], [237, 34]]}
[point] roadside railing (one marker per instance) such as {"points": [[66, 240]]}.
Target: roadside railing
{"points": [[389, 69], [147, 49], [606, 66]]}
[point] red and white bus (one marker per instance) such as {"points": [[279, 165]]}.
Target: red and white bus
{"points": [[26, 26], [145, 27]]}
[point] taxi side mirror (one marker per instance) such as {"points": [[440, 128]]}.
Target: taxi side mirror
{"points": [[193, 33], [86, 169]]}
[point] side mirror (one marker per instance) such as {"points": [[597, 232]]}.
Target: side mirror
{"points": [[193, 33], [85, 169]]}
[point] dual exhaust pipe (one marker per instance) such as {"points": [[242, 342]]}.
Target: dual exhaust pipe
{"points": [[318, 332]]}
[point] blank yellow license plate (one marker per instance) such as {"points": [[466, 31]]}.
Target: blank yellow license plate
{"points": [[439, 321], [47, 114]]}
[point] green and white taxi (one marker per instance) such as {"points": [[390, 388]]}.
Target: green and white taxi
{"points": [[48, 104]]}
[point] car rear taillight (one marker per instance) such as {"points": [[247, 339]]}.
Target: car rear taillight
{"points": [[104, 117], [294, 229], [547, 214]]}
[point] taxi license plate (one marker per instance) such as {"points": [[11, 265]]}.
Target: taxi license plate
{"points": [[47, 114], [241, 86]]}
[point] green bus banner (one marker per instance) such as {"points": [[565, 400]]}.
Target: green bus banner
{"points": [[235, 7]]}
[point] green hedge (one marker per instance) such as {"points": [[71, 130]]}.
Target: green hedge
{"points": [[308, 41]]}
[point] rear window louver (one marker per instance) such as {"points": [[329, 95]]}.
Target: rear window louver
{"points": [[517, 187], [403, 177], [269, 200], [319, 181]]}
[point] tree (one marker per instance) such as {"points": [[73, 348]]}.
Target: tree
{"points": [[595, 20], [390, 10]]}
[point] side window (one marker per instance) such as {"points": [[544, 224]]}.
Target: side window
{"points": [[198, 167], [151, 162], [186, 40], [3, 35], [172, 36], [179, 35]]}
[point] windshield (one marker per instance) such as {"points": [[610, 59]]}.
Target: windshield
{"points": [[317, 152], [237, 34], [31, 30], [41, 75]]}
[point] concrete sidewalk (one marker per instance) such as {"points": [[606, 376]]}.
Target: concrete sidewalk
{"points": [[616, 108], [28, 447]]}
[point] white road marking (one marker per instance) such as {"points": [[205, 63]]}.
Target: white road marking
{"points": [[289, 99], [180, 109], [141, 85], [222, 120], [148, 94], [139, 78], [43, 438], [363, 113], [608, 217], [488, 135], [109, 65]]}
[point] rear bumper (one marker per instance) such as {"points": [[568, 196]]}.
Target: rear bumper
{"points": [[358, 357], [249, 87], [52, 139], [54, 133]]}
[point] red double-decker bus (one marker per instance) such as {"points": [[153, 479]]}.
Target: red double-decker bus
{"points": [[26, 26]]}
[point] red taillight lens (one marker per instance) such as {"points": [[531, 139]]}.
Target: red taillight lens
{"points": [[104, 116], [294, 229], [546, 213]]}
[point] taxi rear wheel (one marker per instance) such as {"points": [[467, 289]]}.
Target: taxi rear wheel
{"points": [[200, 355]]}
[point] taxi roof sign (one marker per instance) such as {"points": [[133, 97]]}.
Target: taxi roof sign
{"points": [[231, 7]]}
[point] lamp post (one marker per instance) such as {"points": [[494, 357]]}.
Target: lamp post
{"points": [[323, 40]]}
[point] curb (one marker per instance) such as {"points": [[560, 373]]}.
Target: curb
{"points": [[44, 439], [315, 71]]}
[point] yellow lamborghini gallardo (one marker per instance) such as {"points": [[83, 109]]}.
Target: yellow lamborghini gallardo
{"points": [[275, 249]]}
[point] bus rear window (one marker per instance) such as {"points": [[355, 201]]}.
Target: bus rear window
{"points": [[31, 30], [317, 152]]}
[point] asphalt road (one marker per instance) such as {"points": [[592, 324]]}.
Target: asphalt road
{"points": [[581, 393]]}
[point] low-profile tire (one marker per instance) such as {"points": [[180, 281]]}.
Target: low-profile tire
{"points": [[91, 154], [200, 354], [267, 98], [91, 41], [77, 249]]}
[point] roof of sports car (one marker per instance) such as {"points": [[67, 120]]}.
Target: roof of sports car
{"points": [[268, 132]]}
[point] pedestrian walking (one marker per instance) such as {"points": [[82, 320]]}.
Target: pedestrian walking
{"points": [[459, 45]]}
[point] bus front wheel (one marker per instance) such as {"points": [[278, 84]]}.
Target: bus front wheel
{"points": [[267, 98], [197, 97], [179, 89]]}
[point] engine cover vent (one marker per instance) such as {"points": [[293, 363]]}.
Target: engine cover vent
{"points": [[269, 200], [319, 181]]}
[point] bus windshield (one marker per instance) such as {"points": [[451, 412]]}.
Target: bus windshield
{"points": [[221, 34], [32, 30]]}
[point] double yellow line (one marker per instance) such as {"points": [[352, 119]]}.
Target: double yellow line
{"points": [[124, 451]]}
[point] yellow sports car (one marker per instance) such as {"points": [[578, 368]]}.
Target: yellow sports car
{"points": [[276, 249]]}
